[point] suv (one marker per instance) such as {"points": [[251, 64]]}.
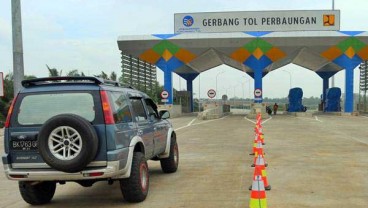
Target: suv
{"points": [[84, 130]]}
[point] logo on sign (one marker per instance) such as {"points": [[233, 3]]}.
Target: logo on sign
{"points": [[211, 93], [188, 21], [258, 92], [328, 20]]}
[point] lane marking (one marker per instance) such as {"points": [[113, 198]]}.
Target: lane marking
{"points": [[249, 120], [255, 122], [310, 119], [191, 123], [317, 119], [204, 122], [267, 120]]}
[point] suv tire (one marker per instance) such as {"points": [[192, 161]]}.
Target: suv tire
{"points": [[135, 188], [67, 142], [170, 164], [38, 194]]}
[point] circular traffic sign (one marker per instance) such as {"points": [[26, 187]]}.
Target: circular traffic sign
{"points": [[258, 92], [211, 93], [164, 94]]}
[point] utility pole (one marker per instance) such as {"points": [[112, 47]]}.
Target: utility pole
{"points": [[18, 64]]}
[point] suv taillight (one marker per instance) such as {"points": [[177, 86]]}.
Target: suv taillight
{"points": [[109, 119], [10, 112]]}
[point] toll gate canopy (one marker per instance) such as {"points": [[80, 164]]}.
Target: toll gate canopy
{"points": [[256, 53]]}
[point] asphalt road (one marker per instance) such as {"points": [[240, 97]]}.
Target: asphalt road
{"points": [[313, 162]]}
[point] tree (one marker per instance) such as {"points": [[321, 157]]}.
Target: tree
{"points": [[53, 72], [103, 75], [113, 76], [75, 73], [9, 93]]}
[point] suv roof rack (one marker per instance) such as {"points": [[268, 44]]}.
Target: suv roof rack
{"points": [[48, 80]]}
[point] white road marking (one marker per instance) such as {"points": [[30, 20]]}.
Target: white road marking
{"points": [[249, 120], [210, 121], [191, 123], [267, 120], [317, 119], [255, 122], [310, 119]]}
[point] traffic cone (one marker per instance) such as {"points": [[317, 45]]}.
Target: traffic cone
{"points": [[259, 160], [260, 169], [258, 131], [259, 148], [257, 138], [261, 164], [258, 194]]}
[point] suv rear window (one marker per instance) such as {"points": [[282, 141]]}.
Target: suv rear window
{"points": [[38, 108]]}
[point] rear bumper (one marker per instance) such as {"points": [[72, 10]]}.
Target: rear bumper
{"points": [[119, 168]]}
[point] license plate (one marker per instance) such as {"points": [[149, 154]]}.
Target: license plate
{"points": [[23, 145]]}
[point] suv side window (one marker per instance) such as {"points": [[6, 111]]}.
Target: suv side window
{"points": [[120, 106], [139, 111], [151, 107]]}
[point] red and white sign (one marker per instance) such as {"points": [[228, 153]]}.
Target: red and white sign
{"points": [[211, 93], [164, 94], [258, 92]]}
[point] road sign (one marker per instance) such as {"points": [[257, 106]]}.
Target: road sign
{"points": [[164, 94], [211, 93], [224, 97], [164, 100], [258, 92]]}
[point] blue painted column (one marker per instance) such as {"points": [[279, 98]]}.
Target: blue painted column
{"points": [[168, 85], [190, 89], [349, 89], [258, 85], [324, 88]]}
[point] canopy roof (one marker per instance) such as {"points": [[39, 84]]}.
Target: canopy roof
{"points": [[193, 53]]}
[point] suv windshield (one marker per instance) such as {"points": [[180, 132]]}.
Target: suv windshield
{"points": [[38, 108]]}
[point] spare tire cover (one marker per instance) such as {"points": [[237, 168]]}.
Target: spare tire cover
{"points": [[67, 142]]}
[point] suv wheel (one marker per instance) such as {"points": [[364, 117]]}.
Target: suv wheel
{"points": [[135, 188], [67, 142], [170, 164], [37, 194]]}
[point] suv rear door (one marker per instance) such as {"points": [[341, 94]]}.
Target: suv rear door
{"points": [[32, 109], [145, 129]]}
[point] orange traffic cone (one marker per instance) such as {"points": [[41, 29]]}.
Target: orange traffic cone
{"points": [[258, 149], [261, 171], [258, 194], [259, 160], [258, 131], [257, 138]]}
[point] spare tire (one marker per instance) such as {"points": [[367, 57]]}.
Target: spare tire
{"points": [[67, 142]]}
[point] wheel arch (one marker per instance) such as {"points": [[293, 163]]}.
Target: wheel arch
{"points": [[171, 133]]}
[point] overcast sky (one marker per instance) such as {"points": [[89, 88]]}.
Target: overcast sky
{"points": [[82, 34]]}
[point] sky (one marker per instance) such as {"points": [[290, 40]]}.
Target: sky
{"points": [[82, 34]]}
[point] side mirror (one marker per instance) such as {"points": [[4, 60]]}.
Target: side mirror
{"points": [[164, 114]]}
